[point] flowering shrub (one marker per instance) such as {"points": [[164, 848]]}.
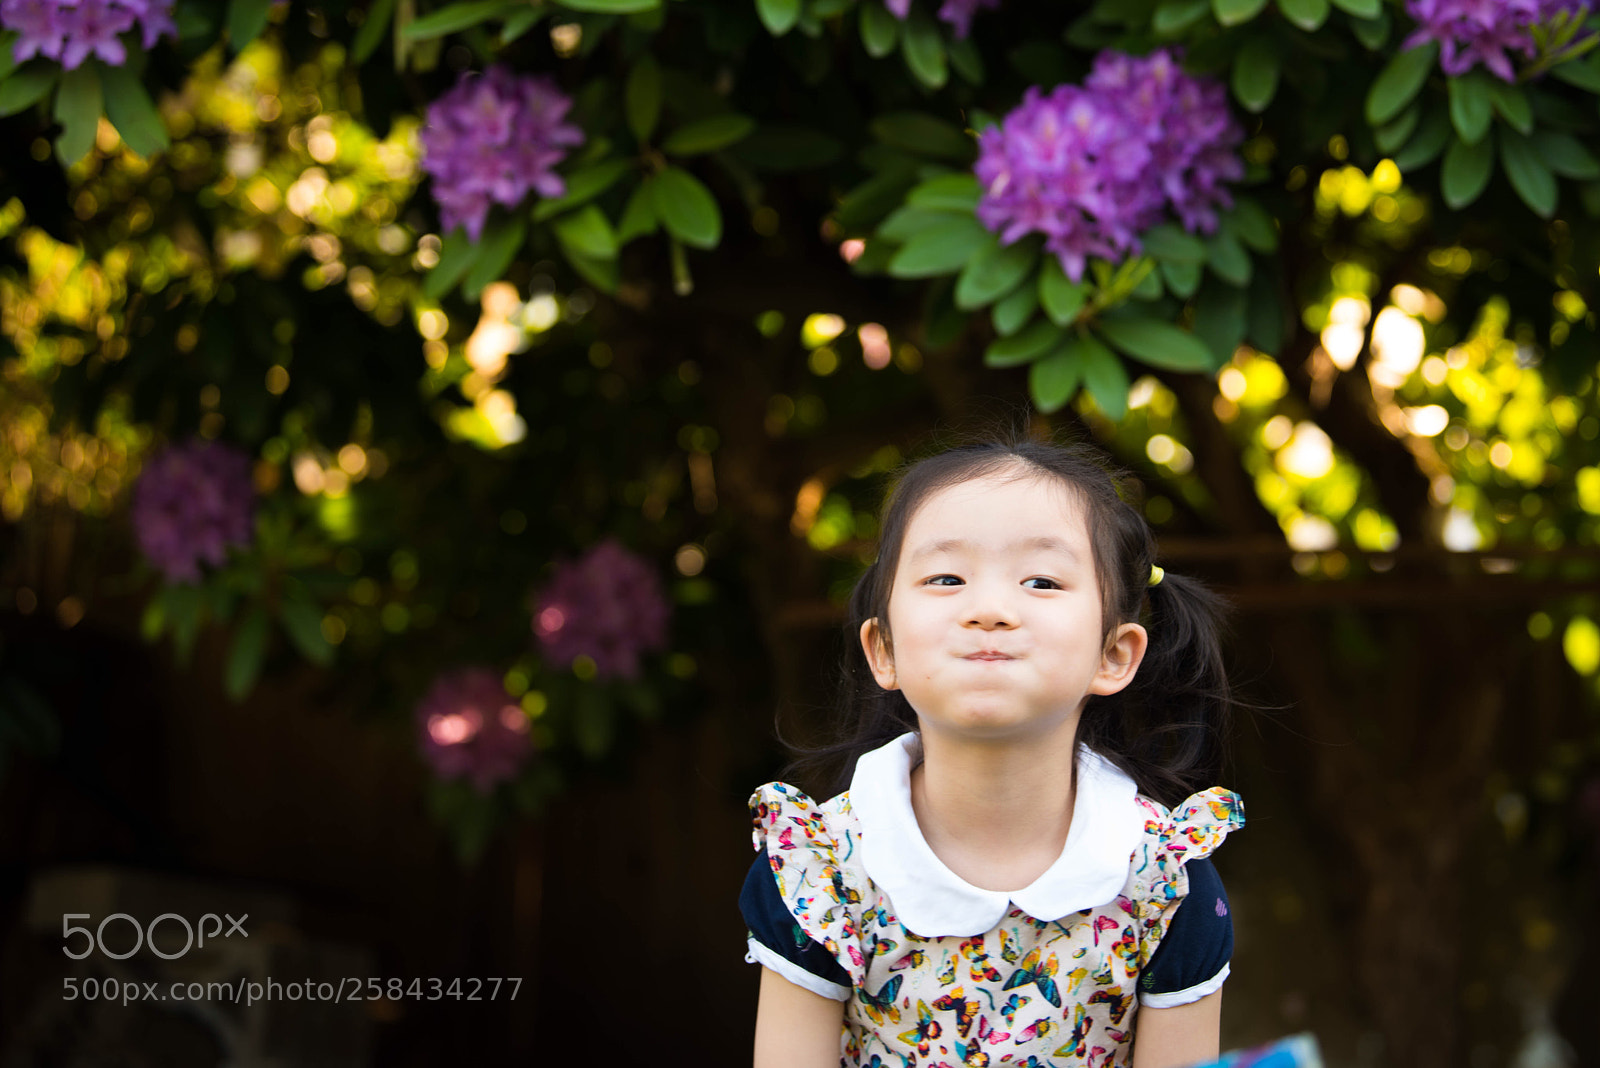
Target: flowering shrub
{"points": [[490, 139], [607, 605], [191, 503], [469, 726], [958, 13], [1090, 167], [1470, 32], [69, 30]]}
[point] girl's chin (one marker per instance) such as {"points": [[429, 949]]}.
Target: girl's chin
{"points": [[991, 724]]}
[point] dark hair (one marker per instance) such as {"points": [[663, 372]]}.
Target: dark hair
{"points": [[1165, 728]]}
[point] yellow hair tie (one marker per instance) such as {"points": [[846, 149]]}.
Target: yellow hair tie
{"points": [[1156, 575]]}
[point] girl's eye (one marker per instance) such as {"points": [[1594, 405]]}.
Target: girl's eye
{"points": [[936, 578], [1040, 578]]}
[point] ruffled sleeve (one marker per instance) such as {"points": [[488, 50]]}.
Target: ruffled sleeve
{"points": [[1192, 829], [811, 865]]}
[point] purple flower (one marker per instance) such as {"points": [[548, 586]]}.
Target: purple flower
{"points": [[70, 30], [608, 605], [1470, 32], [491, 139], [191, 503], [958, 13], [467, 725], [1091, 167]]}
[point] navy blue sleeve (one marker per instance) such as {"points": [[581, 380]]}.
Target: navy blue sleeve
{"points": [[1199, 941], [772, 924]]}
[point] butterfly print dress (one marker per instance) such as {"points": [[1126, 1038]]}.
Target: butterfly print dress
{"points": [[935, 972]]}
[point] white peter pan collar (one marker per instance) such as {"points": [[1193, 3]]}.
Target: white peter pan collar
{"points": [[933, 901]]}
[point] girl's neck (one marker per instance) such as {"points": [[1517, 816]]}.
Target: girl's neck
{"points": [[996, 814]]}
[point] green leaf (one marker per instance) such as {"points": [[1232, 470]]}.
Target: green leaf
{"points": [[1014, 311], [1266, 316], [966, 59], [1512, 104], [1227, 258], [1173, 17], [518, 23], [642, 97], [583, 186], [994, 271], [638, 216], [453, 18], [1061, 298], [1157, 344], [880, 31], [920, 133], [1529, 176], [78, 106], [1308, 15], [1251, 224], [947, 192], [602, 274], [1466, 171], [246, 20], [708, 135], [1020, 348], [1373, 33], [1471, 107], [1361, 9], [8, 54], [302, 622], [133, 113], [1255, 73], [1566, 155], [941, 249], [778, 16], [373, 30], [905, 223], [1219, 320], [500, 247], [923, 48], [1170, 244], [1398, 130], [781, 148], [1182, 279], [612, 7], [1234, 12], [1584, 73], [588, 233], [457, 254], [245, 657], [185, 608], [686, 208], [1148, 287], [1103, 376], [1054, 379], [1433, 133], [1399, 82], [27, 86]]}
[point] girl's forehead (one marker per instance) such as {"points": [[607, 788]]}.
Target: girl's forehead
{"points": [[1012, 506]]}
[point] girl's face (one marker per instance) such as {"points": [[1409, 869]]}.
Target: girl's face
{"points": [[991, 566]]}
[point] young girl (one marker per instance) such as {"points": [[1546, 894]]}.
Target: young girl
{"points": [[1001, 882]]}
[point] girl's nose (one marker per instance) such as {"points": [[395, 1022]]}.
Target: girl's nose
{"points": [[991, 608]]}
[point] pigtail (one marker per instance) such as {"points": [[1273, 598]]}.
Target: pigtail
{"points": [[1168, 728]]}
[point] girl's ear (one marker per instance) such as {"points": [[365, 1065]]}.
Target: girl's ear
{"points": [[879, 658], [1120, 662]]}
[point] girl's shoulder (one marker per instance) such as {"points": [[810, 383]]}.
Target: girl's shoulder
{"points": [[1172, 837], [811, 848]]}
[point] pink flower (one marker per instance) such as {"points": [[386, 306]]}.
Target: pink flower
{"points": [[469, 726], [191, 503], [608, 605], [490, 140], [69, 31]]}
